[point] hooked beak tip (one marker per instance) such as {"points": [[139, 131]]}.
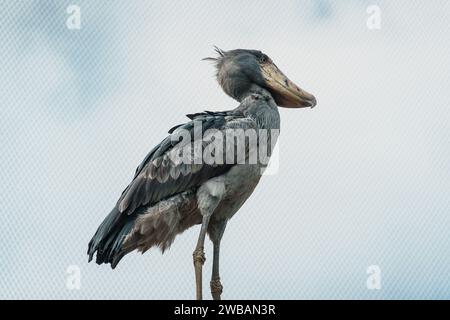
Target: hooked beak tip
{"points": [[313, 102]]}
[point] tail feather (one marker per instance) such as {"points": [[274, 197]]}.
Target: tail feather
{"points": [[156, 225], [108, 239]]}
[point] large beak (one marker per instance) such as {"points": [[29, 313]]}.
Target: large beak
{"points": [[286, 93]]}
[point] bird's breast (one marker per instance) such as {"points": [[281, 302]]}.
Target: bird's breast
{"points": [[240, 182]]}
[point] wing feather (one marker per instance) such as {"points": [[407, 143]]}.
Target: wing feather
{"points": [[158, 177]]}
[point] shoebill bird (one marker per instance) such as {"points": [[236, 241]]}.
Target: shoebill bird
{"points": [[167, 197]]}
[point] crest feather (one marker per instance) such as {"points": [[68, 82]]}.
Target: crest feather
{"points": [[219, 51]]}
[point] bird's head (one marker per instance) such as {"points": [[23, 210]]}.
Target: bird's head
{"points": [[239, 70]]}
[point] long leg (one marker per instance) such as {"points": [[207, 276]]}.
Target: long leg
{"points": [[216, 234], [209, 196], [199, 257]]}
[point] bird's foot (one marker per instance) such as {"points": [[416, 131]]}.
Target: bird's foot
{"points": [[216, 288]]}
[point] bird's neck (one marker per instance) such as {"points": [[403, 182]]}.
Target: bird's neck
{"points": [[265, 112]]}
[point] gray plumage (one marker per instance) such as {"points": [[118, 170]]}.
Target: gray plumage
{"points": [[167, 197], [161, 205]]}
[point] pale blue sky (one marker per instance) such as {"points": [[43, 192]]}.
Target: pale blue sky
{"points": [[364, 178]]}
